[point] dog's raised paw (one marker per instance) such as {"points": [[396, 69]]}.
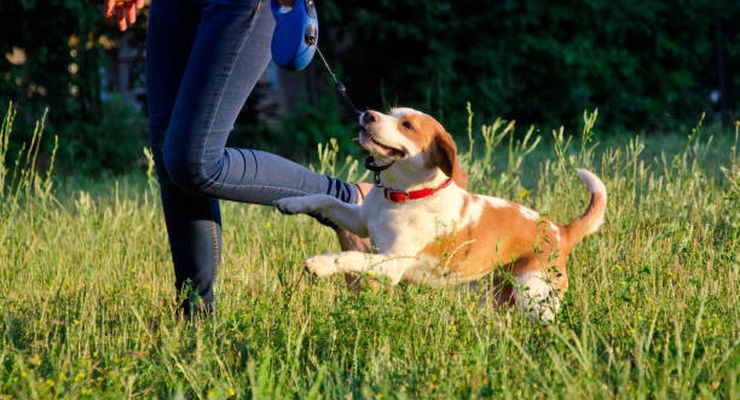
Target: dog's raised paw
{"points": [[322, 265], [292, 205]]}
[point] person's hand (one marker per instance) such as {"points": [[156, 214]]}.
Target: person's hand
{"points": [[125, 11], [287, 3]]}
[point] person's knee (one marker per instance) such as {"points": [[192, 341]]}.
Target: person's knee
{"points": [[185, 171]]}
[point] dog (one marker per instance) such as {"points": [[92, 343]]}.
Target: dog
{"points": [[428, 229]]}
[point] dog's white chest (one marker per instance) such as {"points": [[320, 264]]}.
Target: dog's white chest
{"points": [[407, 228]]}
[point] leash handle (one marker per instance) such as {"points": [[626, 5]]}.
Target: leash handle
{"points": [[296, 34]]}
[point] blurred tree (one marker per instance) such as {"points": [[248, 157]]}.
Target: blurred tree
{"points": [[55, 54], [645, 64]]}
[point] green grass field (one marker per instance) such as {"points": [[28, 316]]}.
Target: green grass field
{"points": [[87, 306]]}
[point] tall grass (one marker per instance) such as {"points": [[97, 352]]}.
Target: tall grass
{"points": [[87, 309], [23, 179]]}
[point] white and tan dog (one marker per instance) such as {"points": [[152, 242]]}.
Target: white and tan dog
{"points": [[428, 229]]}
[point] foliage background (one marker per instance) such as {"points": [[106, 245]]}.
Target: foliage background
{"points": [[649, 66], [645, 64], [652, 311]]}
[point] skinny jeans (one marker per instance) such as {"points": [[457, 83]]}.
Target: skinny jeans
{"points": [[204, 57]]}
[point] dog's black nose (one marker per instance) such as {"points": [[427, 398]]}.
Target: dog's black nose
{"points": [[368, 117]]}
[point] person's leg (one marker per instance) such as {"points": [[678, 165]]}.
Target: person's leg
{"points": [[204, 59], [193, 221], [231, 50]]}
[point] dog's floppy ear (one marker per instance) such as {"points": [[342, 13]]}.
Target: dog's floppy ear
{"points": [[444, 156]]}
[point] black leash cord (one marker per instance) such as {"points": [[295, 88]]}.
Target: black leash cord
{"points": [[339, 87], [350, 106]]}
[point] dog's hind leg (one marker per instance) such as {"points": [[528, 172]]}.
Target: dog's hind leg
{"points": [[537, 297], [538, 290]]}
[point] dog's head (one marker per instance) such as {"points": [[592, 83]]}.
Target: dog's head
{"points": [[418, 145]]}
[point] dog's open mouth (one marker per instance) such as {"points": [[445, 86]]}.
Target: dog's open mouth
{"points": [[370, 143]]}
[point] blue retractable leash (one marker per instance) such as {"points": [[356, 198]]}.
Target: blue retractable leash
{"points": [[296, 34], [294, 43], [296, 40]]}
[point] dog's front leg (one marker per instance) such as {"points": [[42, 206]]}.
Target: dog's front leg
{"points": [[347, 216], [390, 266]]}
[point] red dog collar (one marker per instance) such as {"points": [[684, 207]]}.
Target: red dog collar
{"points": [[400, 197]]}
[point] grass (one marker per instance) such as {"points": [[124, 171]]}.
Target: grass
{"points": [[652, 312]]}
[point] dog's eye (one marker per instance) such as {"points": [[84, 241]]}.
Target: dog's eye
{"points": [[407, 125]]}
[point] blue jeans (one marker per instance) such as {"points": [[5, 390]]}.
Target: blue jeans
{"points": [[204, 57]]}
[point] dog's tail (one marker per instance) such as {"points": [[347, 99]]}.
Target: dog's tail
{"points": [[592, 219]]}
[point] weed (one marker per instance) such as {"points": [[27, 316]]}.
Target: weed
{"points": [[652, 310]]}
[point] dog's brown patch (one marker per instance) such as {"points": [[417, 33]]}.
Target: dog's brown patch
{"points": [[501, 237], [436, 143], [419, 128]]}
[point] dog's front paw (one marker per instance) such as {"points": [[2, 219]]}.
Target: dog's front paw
{"points": [[322, 265], [293, 205]]}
